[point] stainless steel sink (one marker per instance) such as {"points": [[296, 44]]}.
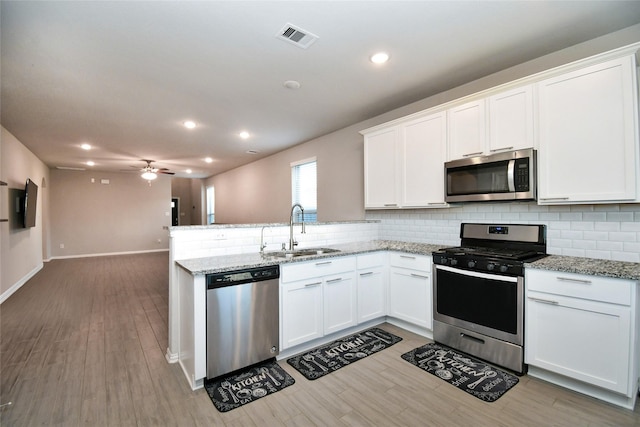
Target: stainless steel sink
{"points": [[300, 252]]}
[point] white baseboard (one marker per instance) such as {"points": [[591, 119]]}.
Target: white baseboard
{"points": [[108, 254], [171, 357], [6, 294]]}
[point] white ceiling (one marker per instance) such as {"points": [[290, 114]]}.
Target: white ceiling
{"points": [[124, 76]]}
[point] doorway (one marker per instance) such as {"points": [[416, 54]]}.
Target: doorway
{"points": [[175, 211]]}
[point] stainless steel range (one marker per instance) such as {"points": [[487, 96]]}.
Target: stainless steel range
{"points": [[478, 291]]}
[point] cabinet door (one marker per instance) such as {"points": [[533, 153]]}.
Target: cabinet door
{"points": [[423, 155], [381, 182], [585, 340], [588, 141], [371, 293], [301, 312], [467, 134], [511, 120], [340, 308], [410, 296]]}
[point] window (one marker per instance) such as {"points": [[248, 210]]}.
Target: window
{"points": [[211, 203], [304, 189]]}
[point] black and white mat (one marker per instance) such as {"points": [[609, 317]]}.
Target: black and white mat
{"points": [[337, 354], [251, 384], [466, 373]]}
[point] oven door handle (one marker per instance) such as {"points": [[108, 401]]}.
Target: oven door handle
{"points": [[479, 274]]}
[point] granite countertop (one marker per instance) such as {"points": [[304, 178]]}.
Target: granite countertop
{"points": [[589, 266], [567, 264], [217, 264]]}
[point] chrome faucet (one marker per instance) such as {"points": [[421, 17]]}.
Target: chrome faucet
{"points": [[293, 243], [262, 243]]}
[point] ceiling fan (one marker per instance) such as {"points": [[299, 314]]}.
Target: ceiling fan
{"points": [[150, 173]]}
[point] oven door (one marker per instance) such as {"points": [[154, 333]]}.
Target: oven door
{"points": [[488, 304]]}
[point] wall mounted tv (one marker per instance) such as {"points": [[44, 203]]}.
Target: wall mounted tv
{"points": [[30, 201]]}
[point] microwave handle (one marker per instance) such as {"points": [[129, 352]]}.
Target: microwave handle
{"points": [[511, 176]]}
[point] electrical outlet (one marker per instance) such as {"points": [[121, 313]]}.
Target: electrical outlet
{"points": [[159, 240], [61, 245]]}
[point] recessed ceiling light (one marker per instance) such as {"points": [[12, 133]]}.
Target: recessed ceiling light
{"points": [[85, 146], [244, 134], [189, 124], [379, 58], [188, 171], [292, 84], [91, 163], [208, 160]]}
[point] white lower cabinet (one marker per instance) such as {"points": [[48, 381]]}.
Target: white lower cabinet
{"points": [[410, 289], [372, 286], [301, 311], [339, 301], [583, 328], [317, 298]]}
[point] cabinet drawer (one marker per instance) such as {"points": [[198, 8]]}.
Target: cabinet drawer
{"points": [[604, 289], [413, 261], [376, 259], [316, 268]]}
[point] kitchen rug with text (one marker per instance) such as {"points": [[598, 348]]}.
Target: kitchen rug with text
{"points": [[466, 373], [231, 392], [323, 360]]}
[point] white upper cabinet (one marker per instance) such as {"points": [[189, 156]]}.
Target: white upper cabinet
{"points": [[588, 148], [404, 164], [424, 145], [467, 134], [511, 120], [501, 122], [581, 117], [381, 181]]}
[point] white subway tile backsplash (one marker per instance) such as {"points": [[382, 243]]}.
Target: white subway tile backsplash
{"points": [[597, 231], [630, 226], [622, 236], [620, 216]]}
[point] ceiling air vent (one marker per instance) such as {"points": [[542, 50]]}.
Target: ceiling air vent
{"points": [[297, 36]]}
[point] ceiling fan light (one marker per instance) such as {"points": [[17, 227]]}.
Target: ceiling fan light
{"points": [[148, 175]]}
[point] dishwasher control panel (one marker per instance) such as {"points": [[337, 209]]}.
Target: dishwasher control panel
{"points": [[237, 277]]}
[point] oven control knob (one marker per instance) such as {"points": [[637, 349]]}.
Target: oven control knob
{"points": [[504, 268], [454, 261], [491, 266], [471, 264]]}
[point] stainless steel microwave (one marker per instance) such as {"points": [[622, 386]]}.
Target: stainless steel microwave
{"points": [[502, 176]]}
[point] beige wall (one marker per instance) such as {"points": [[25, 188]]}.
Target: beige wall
{"points": [[261, 191], [21, 250], [126, 215]]}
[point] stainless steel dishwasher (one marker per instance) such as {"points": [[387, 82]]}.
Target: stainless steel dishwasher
{"points": [[242, 318]]}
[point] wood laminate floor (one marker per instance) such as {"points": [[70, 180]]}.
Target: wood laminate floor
{"points": [[83, 343]]}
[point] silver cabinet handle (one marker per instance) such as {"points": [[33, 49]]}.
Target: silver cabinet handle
{"points": [[339, 279], [309, 285], [420, 276], [407, 257], [390, 204], [572, 280], [550, 199], [437, 203], [502, 149], [368, 273], [544, 301], [323, 263], [472, 154]]}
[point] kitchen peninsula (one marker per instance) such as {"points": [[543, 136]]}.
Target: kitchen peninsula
{"points": [[188, 274]]}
